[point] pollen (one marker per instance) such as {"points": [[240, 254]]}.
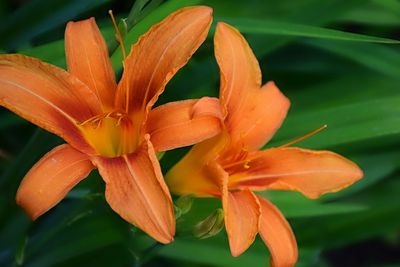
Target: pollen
{"points": [[246, 164]]}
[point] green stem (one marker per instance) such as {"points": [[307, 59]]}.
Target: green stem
{"points": [[149, 254], [140, 9]]}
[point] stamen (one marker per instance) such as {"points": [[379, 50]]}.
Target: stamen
{"points": [[246, 160], [246, 164], [242, 159], [98, 119], [126, 99], [124, 55], [91, 120], [304, 137], [118, 34], [119, 119]]}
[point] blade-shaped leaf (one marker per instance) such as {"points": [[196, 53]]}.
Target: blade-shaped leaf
{"points": [[268, 27]]}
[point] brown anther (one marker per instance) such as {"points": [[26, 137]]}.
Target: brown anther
{"points": [[246, 164]]}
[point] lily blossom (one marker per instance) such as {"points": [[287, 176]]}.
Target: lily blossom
{"points": [[111, 126], [230, 167]]}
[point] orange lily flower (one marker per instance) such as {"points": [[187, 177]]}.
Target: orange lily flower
{"points": [[229, 166], [108, 126]]}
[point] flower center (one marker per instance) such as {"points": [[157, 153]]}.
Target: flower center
{"points": [[239, 164], [111, 134]]}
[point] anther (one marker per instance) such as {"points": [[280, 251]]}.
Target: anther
{"points": [[246, 164], [304, 137], [118, 34]]}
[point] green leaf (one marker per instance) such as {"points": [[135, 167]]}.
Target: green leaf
{"points": [[294, 205], [20, 253], [51, 53], [26, 23], [217, 255], [8, 119], [39, 144], [268, 27], [351, 123], [372, 14], [313, 12], [89, 234], [339, 88], [54, 52], [382, 217], [381, 59]]}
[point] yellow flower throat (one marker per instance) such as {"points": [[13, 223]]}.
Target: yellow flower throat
{"points": [[111, 134]]}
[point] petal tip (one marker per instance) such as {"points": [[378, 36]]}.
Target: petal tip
{"points": [[359, 173], [71, 23], [204, 9], [91, 20], [165, 237], [167, 240], [204, 12], [197, 11], [33, 215], [272, 85], [236, 253], [222, 25]]}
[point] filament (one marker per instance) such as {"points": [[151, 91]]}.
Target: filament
{"points": [[304, 136], [118, 34], [124, 55]]}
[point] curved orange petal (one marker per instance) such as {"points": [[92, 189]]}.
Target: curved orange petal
{"points": [[88, 60], [50, 179], [277, 234], [158, 55], [192, 174], [241, 214], [184, 123], [253, 114], [313, 173], [261, 115], [240, 72], [46, 96], [135, 189]]}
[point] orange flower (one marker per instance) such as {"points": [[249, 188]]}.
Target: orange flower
{"points": [[110, 126], [229, 166]]}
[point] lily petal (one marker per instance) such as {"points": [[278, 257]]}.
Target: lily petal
{"points": [[240, 72], [50, 179], [241, 213], [184, 123], [192, 174], [253, 113], [313, 173], [158, 55], [88, 60], [277, 234], [47, 96], [135, 189]]}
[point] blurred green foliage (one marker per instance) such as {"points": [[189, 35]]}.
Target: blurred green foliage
{"points": [[339, 63]]}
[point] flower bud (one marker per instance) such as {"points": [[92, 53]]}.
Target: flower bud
{"points": [[177, 212], [184, 203], [210, 226]]}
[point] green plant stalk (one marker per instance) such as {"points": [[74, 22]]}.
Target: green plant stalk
{"points": [[140, 10]]}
